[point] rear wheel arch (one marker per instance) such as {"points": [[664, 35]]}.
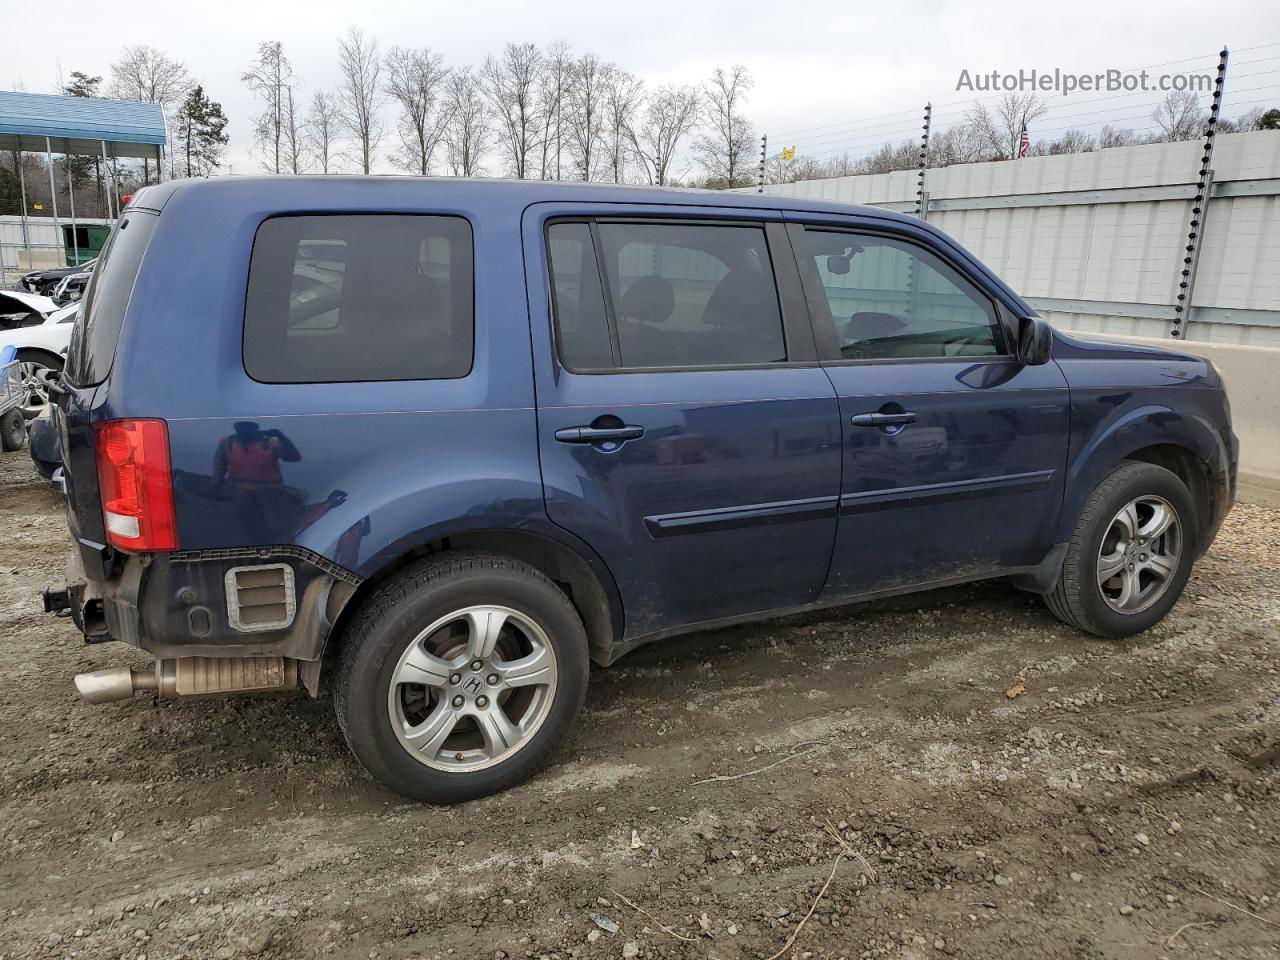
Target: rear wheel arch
{"points": [[589, 586], [415, 698]]}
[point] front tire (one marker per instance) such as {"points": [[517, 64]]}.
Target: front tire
{"points": [[1131, 554], [460, 676], [31, 367]]}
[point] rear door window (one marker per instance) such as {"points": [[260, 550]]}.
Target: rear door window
{"points": [[97, 331], [662, 295], [347, 298]]}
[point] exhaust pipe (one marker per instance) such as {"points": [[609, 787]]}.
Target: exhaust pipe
{"points": [[117, 683], [190, 677]]}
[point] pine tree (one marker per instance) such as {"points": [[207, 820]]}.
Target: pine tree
{"points": [[80, 168], [82, 85], [201, 139]]}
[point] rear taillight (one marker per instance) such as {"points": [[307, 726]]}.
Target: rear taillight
{"points": [[136, 484]]}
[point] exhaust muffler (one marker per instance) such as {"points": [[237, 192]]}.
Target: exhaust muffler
{"points": [[190, 677]]}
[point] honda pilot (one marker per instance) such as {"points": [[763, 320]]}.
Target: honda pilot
{"points": [[439, 445]]}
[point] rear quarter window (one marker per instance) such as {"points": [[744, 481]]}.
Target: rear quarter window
{"points": [[97, 330], [353, 297]]}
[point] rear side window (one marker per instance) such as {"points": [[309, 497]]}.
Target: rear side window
{"points": [[345, 298], [579, 300], [674, 295], [97, 331]]}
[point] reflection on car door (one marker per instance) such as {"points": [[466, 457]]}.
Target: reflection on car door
{"points": [[686, 432], [953, 452]]}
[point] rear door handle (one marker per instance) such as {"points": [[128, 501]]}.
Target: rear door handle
{"points": [[882, 419], [591, 434]]}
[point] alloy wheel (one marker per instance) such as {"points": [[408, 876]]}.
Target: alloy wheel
{"points": [[35, 392], [472, 689], [1139, 554]]}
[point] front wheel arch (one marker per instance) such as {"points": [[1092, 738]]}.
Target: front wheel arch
{"points": [[1077, 595], [43, 358], [40, 355], [1194, 472], [1187, 446]]}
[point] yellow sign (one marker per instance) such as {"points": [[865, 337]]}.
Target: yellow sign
{"points": [[788, 153], [37, 206]]}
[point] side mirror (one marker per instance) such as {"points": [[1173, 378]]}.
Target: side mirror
{"points": [[838, 265], [1035, 341]]}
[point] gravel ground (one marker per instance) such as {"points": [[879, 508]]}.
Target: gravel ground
{"points": [[870, 760]]}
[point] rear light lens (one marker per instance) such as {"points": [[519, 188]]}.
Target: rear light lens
{"points": [[136, 484]]}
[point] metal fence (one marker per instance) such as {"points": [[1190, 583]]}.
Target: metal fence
{"points": [[33, 243], [1101, 241], [1096, 241]]}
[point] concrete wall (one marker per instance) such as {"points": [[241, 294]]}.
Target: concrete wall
{"points": [[1252, 375], [1095, 240]]}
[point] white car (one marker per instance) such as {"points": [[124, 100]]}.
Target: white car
{"points": [[41, 347], [18, 307]]}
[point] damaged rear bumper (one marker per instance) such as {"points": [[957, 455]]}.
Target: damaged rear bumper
{"points": [[186, 604]]}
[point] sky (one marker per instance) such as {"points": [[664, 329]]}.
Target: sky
{"points": [[829, 76]]}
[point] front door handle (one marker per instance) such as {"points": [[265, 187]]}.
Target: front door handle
{"points": [[589, 434], [883, 419]]}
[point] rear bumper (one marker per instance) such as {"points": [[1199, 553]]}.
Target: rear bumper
{"points": [[176, 605]]}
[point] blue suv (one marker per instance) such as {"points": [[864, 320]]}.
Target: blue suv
{"points": [[442, 444]]}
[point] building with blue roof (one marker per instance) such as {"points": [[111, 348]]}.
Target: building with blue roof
{"points": [[79, 126]]}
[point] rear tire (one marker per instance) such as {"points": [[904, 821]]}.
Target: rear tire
{"points": [[13, 430], [1131, 554], [460, 676]]}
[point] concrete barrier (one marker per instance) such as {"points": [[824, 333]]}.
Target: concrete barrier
{"points": [[1252, 375]]}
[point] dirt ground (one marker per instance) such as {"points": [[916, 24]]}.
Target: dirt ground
{"points": [[1124, 805]]}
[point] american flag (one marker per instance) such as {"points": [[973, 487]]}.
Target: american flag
{"points": [[1024, 142]]}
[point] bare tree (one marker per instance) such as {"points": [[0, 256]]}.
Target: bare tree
{"points": [[1249, 120], [416, 81], [295, 134], [585, 116], [1071, 141], [510, 83], [999, 127], [361, 92], [467, 132], [552, 84], [322, 126], [268, 78], [624, 95], [670, 114], [889, 157], [149, 75], [1179, 117], [1110, 136], [958, 143], [725, 148]]}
